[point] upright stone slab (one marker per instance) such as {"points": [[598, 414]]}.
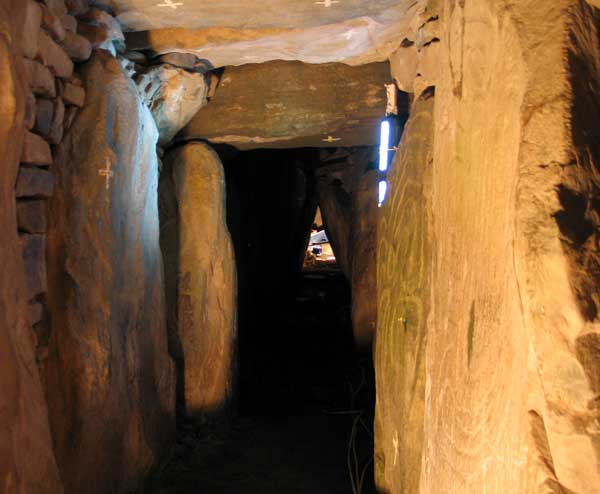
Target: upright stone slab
{"points": [[206, 280], [347, 196], [404, 284], [510, 400], [109, 378]]}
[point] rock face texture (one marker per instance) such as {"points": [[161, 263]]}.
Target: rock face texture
{"points": [[109, 379], [242, 32], [404, 280], [290, 104], [201, 277], [347, 196], [27, 462], [173, 95], [510, 400]]}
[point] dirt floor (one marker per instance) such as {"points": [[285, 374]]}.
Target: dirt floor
{"points": [[295, 437]]}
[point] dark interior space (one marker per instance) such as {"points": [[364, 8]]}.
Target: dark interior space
{"points": [[302, 421]]}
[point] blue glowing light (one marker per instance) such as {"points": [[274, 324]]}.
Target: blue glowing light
{"points": [[382, 191], [384, 146]]}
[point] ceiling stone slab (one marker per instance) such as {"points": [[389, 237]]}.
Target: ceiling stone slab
{"points": [[141, 15], [225, 33], [292, 104]]}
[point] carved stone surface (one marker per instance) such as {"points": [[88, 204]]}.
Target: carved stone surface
{"points": [[108, 375], [290, 104], [512, 325], [199, 255], [404, 282]]}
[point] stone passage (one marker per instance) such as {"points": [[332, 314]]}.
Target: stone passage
{"points": [[201, 277]]}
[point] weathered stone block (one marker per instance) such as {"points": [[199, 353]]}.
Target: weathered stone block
{"points": [[29, 33], [69, 22], [98, 17], [34, 182], [77, 7], [54, 57], [34, 257], [53, 24], [57, 128], [182, 60], [36, 151], [70, 114], [77, 47], [43, 117], [97, 35], [30, 111], [173, 96], [57, 7], [32, 216], [72, 94], [41, 81], [291, 104]]}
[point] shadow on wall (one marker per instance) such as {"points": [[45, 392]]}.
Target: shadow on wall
{"points": [[271, 203]]}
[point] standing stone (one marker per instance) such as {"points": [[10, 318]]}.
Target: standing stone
{"points": [[404, 284], [334, 192], [206, 279], [364, 260], [108, 375], [347, 195]]}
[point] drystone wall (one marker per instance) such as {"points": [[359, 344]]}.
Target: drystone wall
{"points": [[509, 384], [54, 37], [66, 439], [27, 462]]}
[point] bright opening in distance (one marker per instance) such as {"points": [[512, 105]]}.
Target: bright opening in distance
{"points": [[382, 191], [384, 146]]}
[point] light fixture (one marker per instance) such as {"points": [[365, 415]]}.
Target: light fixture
{"points": [[384, 146], [382, 191]]}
